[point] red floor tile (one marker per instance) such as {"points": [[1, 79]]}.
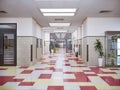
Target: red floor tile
{"points": [[111, 81], [108, 72], [26, 84], [81, 77], [66, 60], [79, 66], [91, 74], [26, 72], [67, 64], [73, 58], [4, 79], [70, 80], [97, 70], [18, 80], [87, 70], [55, 88], [39, 69], [68, 72], [3, 68], [2, 82], [88, 88], [45, 76], [115, 69], [50, 68]]}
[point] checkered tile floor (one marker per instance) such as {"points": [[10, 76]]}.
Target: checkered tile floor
{"points": [[59, 72]]}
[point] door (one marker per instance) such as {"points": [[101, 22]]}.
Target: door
{"points": [[7, 46], [118, 51], [113, 48]]}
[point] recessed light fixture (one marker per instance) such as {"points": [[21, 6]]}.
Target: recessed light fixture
{"points": [[59, 10], [59, 24], [58, 14]]}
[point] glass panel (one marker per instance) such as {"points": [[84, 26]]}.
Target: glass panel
{"points": [[1, 49], [11, 26], [118, 46], [8, 48], [118, 60], [118, 51]]}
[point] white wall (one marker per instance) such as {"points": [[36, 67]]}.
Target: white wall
{"points": [[78, 33], [98, 26], [47, 36], [74, 35], [36, 29], [24, 25], [84, 28]]}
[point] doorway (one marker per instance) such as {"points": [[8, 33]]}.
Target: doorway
{"points": [[61, 40], [8, 44]]}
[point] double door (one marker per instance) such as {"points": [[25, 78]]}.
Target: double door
{"points": [[7, 46]]}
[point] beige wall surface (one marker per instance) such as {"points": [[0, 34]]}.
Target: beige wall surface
{"points": [[46, 47], [34, 53], [84, 53], [24, 51], [93, 55]]}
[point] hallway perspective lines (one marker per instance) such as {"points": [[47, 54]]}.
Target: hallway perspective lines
{"points": [[59, 72]]}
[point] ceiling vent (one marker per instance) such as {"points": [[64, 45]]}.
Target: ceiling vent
{"points": [[105, 11], [59, 19], [3, 12]]}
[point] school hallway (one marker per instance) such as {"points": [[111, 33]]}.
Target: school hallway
{"points": [[59, 71]]}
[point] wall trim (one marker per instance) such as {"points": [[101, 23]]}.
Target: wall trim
{"points": [[30, 36], [92, 36], [84, 20]]}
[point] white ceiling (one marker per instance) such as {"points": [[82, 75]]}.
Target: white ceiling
{"points": [[85, 8]]}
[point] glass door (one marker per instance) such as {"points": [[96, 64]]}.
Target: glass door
{"points": [[8, 49], [112, 48], [7, 45], [118, 51]]}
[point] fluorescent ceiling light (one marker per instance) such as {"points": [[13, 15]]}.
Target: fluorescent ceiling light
{"points": [[59, 24], [58, 14], [60, 31], [58, 10]]}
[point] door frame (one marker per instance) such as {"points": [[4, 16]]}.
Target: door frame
{"points": [[14, 31]]}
